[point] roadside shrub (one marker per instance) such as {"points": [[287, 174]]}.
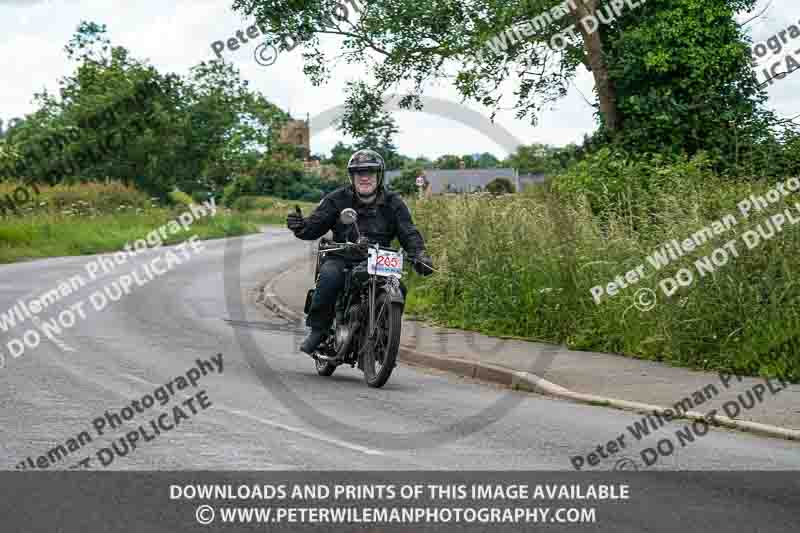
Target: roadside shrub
{"points": [[500, 186], [279, 178], [180, 198], [406, 182], [200, 196], [84, 199], [641, 190], [248, 203]]}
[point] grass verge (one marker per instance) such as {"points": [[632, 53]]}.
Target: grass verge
{"points": [[67, 220], [49, 235], [524, 265]]}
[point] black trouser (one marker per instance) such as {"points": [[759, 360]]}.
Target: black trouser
{"points": [[331, 281]]}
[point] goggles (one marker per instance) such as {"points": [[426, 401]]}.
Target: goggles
{"points": [[369, 172]]}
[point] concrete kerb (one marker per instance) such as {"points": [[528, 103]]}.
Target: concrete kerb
{"points": [[525, 381]]}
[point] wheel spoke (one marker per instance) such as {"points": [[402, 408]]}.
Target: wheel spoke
{"points": [[381, 356], [381, 342]]}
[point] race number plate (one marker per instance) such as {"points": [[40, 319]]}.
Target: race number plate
{"points": [[385, 263]]}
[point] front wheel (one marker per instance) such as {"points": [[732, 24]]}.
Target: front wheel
{"points": [[382, 358]]}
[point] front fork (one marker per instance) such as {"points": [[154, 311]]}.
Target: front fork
{"points": [[394, 293], [372, 292]]}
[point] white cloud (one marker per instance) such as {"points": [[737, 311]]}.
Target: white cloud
{"points": [[177, 35]]}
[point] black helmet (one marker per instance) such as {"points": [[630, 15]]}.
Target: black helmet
{"points": [[366, 160]]}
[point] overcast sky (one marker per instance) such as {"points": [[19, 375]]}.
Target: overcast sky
{"points": [[175, 35]]}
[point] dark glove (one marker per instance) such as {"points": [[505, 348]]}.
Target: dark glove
{"points": [[423, 264], [295, 221]]}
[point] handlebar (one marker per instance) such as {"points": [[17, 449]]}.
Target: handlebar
{"points": [[338, 246], [331, 246], [326, 245]]}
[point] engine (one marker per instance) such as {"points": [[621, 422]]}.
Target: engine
{"points": [[346, 332]]}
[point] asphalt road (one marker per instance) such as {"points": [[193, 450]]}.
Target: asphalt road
{"points": [[270, 410]]}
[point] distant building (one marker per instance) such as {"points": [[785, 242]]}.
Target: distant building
{"points": [[298, 134], [462, 180], [530, 179], [326, 172]]}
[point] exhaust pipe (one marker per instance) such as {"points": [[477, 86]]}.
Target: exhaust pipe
{"points": [[326, 359]]}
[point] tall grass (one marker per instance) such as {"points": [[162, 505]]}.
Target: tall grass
{"points": [[524, 265], [83, 200], [269, 210], [93, 218], [50, 235]]}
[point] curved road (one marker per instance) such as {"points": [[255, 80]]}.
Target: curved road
{"points": [[269, 409], [156, 333]]}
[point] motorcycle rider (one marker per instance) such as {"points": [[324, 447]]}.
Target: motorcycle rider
{"points": [[382, 216]]}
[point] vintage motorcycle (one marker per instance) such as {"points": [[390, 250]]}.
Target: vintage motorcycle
{"points": [[366, 330]]}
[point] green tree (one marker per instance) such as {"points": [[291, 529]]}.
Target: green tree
{"points": [[469, 161], [447, 162], [228, 127], [340, 155], [103, 123], [377, 133], [6, 129], [117, 117], [529, 159], [684, 78], [487, 160], [654, 65], [406, 182]]}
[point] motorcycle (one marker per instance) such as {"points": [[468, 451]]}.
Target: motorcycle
{"points": [[367, 326]]}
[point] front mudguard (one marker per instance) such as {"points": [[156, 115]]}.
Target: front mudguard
{"points": [[396, 292]]}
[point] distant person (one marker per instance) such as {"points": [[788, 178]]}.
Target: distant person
{"points": [[424, 185]]}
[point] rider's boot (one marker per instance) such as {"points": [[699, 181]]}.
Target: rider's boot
{"points": [[312, 341]]}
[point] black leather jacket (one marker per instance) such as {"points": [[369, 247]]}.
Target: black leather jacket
{"points": [[387, 218]]}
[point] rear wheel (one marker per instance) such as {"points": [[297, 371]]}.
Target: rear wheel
{"points": [[382, 358]]}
